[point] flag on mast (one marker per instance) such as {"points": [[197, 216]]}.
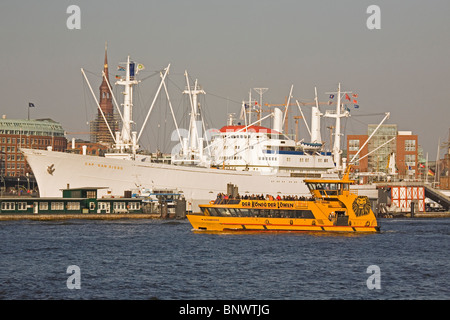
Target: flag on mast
{"points": [[140, 67]]}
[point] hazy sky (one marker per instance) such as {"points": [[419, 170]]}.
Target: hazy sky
{"points": [[230, 47]]}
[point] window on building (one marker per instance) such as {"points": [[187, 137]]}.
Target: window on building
{"points": [[8, 205], [73, 206], [43, 206], [410, 160], [57, 206], [410, 145], [353, 145]]}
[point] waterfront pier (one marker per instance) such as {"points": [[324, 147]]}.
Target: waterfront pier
{"points": [[412, 199]]}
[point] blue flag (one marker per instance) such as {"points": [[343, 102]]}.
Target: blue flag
{"points": [[356, 106]]}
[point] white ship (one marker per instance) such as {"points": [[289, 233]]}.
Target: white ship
{"points": [[257, 159]]}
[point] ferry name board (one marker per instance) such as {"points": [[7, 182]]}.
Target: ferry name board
{"points": [[255, 204]]}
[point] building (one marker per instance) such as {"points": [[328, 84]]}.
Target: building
{"points": [[393, 145], [99, 131], [33, 134], [79, 146], [442, 170]]}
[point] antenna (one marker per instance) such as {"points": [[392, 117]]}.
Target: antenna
{"points": [[261, 91]]}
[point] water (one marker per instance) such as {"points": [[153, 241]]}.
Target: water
{"points": [[153, 259]]}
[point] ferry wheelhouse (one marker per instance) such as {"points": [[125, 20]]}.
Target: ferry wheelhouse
{"points": [[331, 207]]}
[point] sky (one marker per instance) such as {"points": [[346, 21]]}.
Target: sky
{"points": [[231, 47]]}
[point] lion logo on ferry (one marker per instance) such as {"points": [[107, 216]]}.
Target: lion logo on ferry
{"points": [[361, 206]]}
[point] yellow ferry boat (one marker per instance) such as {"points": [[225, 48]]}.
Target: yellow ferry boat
{"points": [[332, 207]]}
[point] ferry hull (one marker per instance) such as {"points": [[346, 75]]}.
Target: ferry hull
{"points": [[223, 224]]}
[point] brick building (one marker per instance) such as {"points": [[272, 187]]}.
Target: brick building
{"points": [[403, 147], [79, 146], [33, 134]]}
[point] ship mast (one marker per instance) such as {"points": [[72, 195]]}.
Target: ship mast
{"points": [[191, 152], [337, 114], [127, 139], [195, 123]]}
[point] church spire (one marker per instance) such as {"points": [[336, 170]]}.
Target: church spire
{"points": [[104, 90], [105, 68]]}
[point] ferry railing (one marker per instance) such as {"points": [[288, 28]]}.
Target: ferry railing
{"points": [[237, 201]]}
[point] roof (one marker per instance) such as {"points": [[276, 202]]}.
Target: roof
{"points": [[240, 128], [38, 127], [85, 188]]}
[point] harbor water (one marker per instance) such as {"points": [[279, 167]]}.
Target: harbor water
{"points": [[155, 259]]}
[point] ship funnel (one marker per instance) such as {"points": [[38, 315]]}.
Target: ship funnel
{"points": [[278, 120]]}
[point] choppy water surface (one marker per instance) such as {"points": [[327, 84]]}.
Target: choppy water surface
{"points": [[152, 259]]}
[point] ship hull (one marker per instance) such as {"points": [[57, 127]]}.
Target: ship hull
{"points": [[255, 224], [57, 170]]}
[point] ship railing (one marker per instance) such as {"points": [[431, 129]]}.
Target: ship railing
{"points": [[237, 201]]}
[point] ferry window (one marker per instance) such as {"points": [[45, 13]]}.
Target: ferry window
{"points": [[315, 186], [224, 212], [244, 212], [256, 213], [235, 212], [291, 214], [305, 214], [214, 212]]}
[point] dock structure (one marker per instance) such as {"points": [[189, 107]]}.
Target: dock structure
{"points": [[83, 203], [409, 197]]}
